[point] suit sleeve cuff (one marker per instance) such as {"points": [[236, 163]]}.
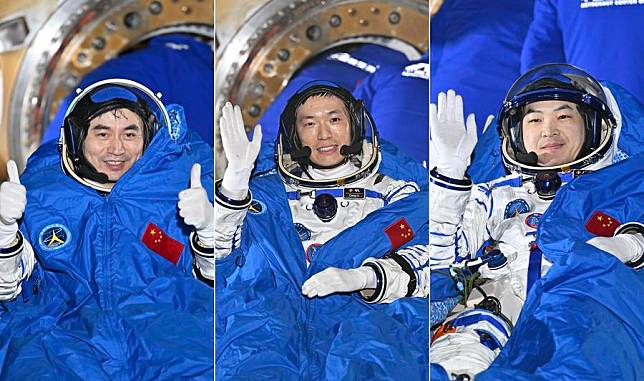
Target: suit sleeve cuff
{"points": [[449, 183], [632, 228], [230, 203], [14, 248], [392, 281]]}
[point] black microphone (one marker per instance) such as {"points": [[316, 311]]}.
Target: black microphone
{"points": [[302, 153], [87, 171], [527, 158], [351, 149]]}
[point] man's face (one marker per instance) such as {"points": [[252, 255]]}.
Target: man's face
{"points": [[323, 124], [114, 142], [554, 130]]}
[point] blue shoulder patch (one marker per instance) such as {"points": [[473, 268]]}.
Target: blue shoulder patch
{"points": [[54, 237], [256, 207], [516, 207]]}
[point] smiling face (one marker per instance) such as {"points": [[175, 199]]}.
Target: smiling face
{"points": [[554, 130], [323, 124], [114, 142]]}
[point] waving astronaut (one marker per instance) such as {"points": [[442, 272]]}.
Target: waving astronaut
{"points": [[556, 123], [327, 154]]}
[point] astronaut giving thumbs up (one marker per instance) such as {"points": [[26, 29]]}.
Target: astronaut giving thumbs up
{"points": [[13, 199], [197, 211]]}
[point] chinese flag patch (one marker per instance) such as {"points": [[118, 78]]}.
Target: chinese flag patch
{"points": [[159, 242], [602, 224], [399, 233]]}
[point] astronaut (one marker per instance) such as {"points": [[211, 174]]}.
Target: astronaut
{"points": [[572, 131], [100, 226], [327, 155], [556, 123]]}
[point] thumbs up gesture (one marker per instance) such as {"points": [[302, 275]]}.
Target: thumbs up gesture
{"points": [[195, 208], [13, 199]]}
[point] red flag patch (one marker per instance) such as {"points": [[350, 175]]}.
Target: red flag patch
{"points": [[602, 224], [443, 330], [164, 245], [399, 233]]}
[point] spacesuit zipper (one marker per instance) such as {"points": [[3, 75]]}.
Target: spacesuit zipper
{"points": [[111, 318], [101, 261], [313, 369], [105, 260]]}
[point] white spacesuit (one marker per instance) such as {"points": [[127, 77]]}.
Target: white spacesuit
{"points": [[503, 215], [313, 231], [323, 199]]}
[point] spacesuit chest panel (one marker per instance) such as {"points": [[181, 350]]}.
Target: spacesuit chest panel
{"points": [[516, 212], [516, 216], [314, 232]]}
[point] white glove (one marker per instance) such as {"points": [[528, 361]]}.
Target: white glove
{"points": [[625, 247], [13, 199], [451, 139], [196, 209], [240, 153], [332, 280]]}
